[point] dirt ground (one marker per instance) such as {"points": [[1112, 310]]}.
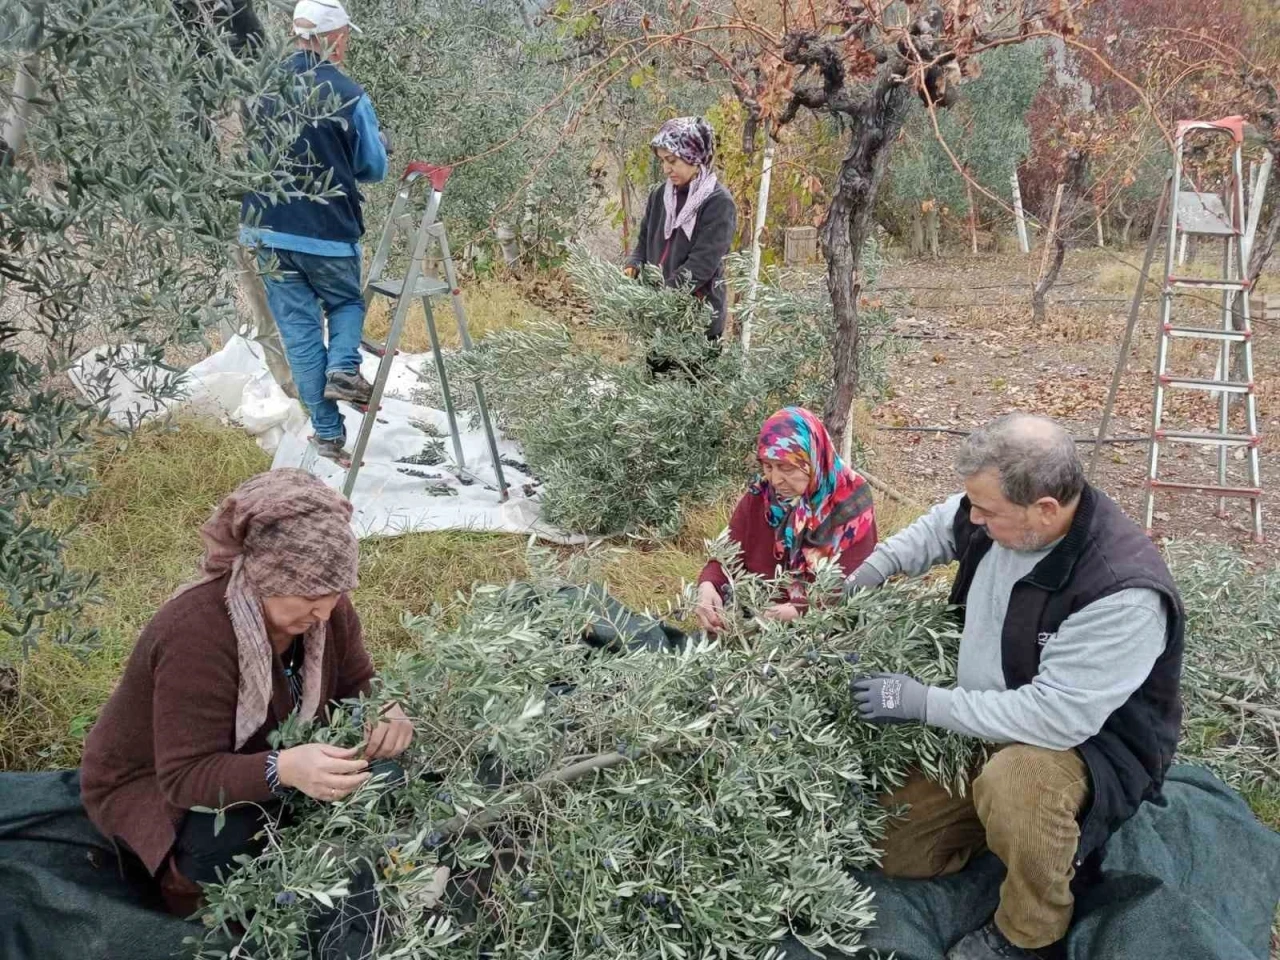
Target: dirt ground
{"points": [[971, 353]]}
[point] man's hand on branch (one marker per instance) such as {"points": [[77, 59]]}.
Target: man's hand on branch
{"points": [[866, 577], [889, 698]]}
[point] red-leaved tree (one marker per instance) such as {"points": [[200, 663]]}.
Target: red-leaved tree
{"points": [[858, 61]]}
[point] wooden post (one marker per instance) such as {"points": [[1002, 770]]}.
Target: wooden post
{"points": [[762, 210], [973, 217], [1097, 209], [1019, 217], [1051, 235], [1182, 250], [1255, 211], [624, 194], [1135, 307]]}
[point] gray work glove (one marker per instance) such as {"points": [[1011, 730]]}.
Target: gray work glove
{"points": [[866, 577], [386, 142], [889, 698]]}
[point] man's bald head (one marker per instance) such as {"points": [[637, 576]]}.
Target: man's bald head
{"points": [[1034, 457]]}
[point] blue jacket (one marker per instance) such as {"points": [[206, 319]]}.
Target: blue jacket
{"points": [[345, 148]]}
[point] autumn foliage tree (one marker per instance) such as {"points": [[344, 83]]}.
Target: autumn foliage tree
{"points": [[861, 63]]}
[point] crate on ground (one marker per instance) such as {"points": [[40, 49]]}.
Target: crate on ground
{"points": [[1271, 308], [800, 245]]}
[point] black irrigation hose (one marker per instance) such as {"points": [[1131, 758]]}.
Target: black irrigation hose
{"points": [[964, 433]]}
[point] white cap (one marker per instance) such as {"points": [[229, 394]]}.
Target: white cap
{"points": [[327, 15]]}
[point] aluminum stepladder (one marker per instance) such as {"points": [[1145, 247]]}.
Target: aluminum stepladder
{"points": [[1207, 215], [416, 284]]}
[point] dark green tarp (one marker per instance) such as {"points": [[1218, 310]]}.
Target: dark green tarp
{"points": [[1197, 878]]}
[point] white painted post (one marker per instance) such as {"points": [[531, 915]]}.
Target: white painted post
{"points": [[1182, 249], [14, 132], [1019, 217], [762, 210]]}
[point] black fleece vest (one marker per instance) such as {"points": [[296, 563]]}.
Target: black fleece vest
{"points": [[1103, 552]]}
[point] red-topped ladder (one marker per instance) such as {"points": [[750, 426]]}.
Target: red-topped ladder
{"points": [[416, 284], [1224, 218]]}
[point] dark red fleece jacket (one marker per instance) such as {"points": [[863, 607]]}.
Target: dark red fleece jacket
{"points": [[164, 742]]}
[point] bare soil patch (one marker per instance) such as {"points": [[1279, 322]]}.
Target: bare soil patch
{"points": [[974, 354]]}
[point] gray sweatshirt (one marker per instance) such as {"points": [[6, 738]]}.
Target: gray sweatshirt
{"points": [[1100, 655]]}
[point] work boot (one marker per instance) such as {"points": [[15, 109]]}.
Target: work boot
{"points": [[333, 449], [988, 943], [348, 385]]}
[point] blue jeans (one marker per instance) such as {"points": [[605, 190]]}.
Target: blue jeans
{"points": [[306, 285]]}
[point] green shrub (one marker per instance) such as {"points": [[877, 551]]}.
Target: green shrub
{"points": [[622, 450]]}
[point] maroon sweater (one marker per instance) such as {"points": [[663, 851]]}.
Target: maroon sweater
{"points": [[749, 529], [164, 741]]}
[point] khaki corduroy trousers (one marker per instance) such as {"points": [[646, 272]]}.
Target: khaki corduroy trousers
{"points": [[1024, 807]]}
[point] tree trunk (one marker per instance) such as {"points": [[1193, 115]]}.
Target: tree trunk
{"points": [[1264, 243], [1048, 279], [844, 234], [931, 226], [1068, 206], [916, 249], [1126, 224], [13, 132]]}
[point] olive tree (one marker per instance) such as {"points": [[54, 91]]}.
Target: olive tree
{"points": [[126, 158]]}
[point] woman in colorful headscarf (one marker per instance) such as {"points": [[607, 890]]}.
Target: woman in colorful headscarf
{"points": [[689, 220], [266, 630], [805, 505]]}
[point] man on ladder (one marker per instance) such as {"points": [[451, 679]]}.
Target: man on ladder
{"points": [[309, 252]]}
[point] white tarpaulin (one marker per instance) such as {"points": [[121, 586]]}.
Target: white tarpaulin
{"points": [[399, 489]]}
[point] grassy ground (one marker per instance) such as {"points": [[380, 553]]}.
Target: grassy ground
{"points": [[139, 530]]}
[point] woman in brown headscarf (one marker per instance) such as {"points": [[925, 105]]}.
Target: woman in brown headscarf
{"points": [[267, 629]]}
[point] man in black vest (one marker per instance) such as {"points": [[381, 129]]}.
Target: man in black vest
{"points": [[1070, 661]]}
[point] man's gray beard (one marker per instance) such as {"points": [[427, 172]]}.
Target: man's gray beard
{"points": [[1031, 542]]}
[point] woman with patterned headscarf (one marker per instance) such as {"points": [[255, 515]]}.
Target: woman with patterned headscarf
{"points": [[690, 219], [804, 506], [266, 630]]}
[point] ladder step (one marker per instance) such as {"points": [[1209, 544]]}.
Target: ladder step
{"points": [[1248, 493], [1197, 383], [1209, 437], [1208, 283], [1208, 333], [425, 287], [1204, 214], [376, 348]]}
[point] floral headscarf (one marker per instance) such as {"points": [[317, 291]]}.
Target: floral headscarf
{"points": [[693, 141], [834, 512]]}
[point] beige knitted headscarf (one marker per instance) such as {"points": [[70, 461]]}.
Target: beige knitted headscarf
{"points": [[282, 533]]}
